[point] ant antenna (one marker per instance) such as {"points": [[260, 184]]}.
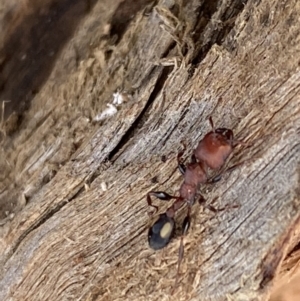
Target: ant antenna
{"points": [[211, 124]]}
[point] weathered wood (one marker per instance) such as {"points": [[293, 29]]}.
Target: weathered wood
{"points": [[181, 62]]}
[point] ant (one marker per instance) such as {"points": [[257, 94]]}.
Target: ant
{"points": [[211, 153]]}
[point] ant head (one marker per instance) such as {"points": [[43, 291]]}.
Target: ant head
{"points": [[226, 133], [161, 232]]}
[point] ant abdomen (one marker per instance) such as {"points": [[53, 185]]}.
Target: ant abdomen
{"points": [[161, 232]]}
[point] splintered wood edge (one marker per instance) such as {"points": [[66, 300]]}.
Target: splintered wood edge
{"points": [[286, 279]]}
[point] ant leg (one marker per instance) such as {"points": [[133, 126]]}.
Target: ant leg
{"points": [[185, 227], [202, 202], [213, 209], [181, 166], [160, 195], [218, 177], [211, 123], [215, 179]]}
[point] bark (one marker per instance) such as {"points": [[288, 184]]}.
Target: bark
{"points": [[74, 213]]}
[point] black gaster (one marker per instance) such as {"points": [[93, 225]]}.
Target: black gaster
{"points": [[161, 232]]}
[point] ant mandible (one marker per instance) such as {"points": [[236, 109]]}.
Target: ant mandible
{"points": [[211, 153]]}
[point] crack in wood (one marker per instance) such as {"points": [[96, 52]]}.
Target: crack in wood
{"points": [[139, 121], [42, 220], [217, 29]]}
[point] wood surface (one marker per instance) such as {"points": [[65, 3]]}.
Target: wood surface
{"points": [[74, 216]]}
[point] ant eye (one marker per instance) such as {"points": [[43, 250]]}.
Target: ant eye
{"points": [[228, 134], [161, 232]]}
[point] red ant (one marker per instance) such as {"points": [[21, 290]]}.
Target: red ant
{"points": [[211, 152]]}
